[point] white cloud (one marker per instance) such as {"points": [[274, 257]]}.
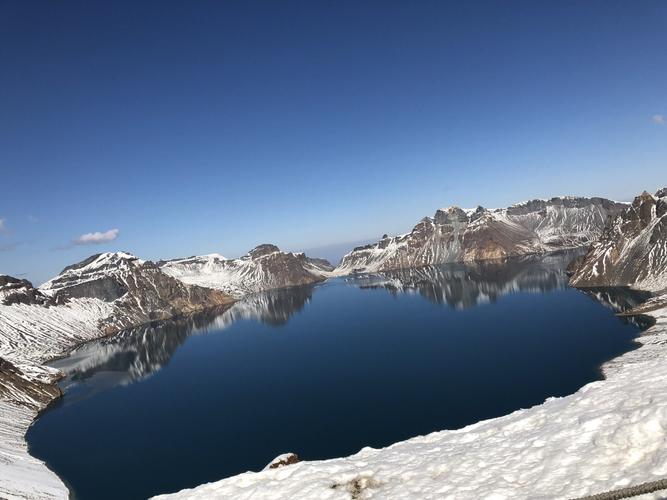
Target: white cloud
{"points": [[96, 238], [3, 228], [658, 119]]}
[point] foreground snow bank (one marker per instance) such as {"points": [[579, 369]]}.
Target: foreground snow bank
{"points": [[608, 435], [22, 476], [29, 335]]}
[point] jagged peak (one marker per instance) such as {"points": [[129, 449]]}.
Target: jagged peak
{"points": [[100, 260], [452, 209], [644, 197], [262, 250], [214, 255], [101, 263], [661, 193], [6, 279]]}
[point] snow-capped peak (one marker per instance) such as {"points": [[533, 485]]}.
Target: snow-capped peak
{"points": [[262, 268]]}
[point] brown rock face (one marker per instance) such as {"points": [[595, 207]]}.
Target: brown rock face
{"points": [[456, 235], [265, 267], [17, 386], [283, 460], [632, 250], [139, 290], [18, 291]]}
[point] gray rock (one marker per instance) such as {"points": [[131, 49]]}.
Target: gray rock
{"points": [[632, 250]]}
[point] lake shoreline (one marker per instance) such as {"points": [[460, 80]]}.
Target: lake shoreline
{"points": [[431, 464], [25, 476], [54, 487]]}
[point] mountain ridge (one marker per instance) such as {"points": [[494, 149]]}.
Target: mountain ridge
{"points": [[632, 251], [265, 267], [457, 235]]}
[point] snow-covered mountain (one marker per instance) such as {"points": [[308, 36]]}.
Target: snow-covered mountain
{"points": [[139, 291], [263, 268], [102, 295], [632, 251], [457, 235], [19, 291]]}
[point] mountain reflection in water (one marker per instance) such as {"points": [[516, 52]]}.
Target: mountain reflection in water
{"points": [[137, 353], [464, 285]]}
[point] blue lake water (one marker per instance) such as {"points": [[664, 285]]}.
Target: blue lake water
{"points": [[324, 371]]}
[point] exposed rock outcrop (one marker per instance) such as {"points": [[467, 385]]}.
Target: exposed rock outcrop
{"points": [[104, 294], [456, 235], [19, 291], [632, 250], [265, 267], [139, 291]]}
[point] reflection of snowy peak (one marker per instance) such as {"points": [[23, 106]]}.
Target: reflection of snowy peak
{"points": [[263, 268], [633, 249], [137, 353], [456, 235], [463, 285], [101, 295], [273, 307]]}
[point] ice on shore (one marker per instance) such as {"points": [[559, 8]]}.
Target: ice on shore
{"points": [[610, 434]]}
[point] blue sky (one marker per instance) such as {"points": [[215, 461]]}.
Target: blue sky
{"points": [[214, 126]]}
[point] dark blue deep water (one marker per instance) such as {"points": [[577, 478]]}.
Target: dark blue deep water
{"points": [[323, 371]]}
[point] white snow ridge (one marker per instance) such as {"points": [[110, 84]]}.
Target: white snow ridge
{"points": [[608, 435]]}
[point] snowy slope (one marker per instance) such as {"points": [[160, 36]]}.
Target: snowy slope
{"points": [[265, 267], [456, 235], [608, 435], [97, 297], [633, 249]]}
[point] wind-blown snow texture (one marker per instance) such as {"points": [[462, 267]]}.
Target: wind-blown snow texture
{"points": [[263, 268], [97, 297], [457, 235], [608, 435], [633, 249]]}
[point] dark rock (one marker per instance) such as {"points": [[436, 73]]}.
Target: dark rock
{"points": [[282, 461], [19, 291], [632, 250], [452, 235]]}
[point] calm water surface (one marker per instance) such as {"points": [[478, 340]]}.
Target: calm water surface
{"points": [[324, 371]]}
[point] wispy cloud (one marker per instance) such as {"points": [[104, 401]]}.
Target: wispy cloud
{"points": [[96, 238], [8, 247], [658, 119], [3, 226]]}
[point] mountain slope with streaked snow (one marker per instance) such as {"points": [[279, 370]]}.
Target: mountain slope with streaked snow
{"points": [[95, 298], [265, 267], [456, 235], [633, 249]]}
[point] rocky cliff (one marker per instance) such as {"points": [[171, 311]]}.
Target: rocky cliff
{"points": [[632, 250], [139, 291], [104, 294], [265, 267], [457, 235]]}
